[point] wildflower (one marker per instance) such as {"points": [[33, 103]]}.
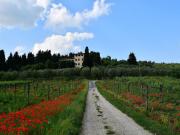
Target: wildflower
{"points": [[33, 116]]}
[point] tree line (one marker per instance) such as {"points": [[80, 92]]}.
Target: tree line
{"points": [[47, 60], [93, 59], [42, 60]]}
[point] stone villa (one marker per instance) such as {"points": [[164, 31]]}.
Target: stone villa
{"points": [[78, 60]]}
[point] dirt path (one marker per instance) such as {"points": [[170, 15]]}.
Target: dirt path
{"points": [[102, 118]]}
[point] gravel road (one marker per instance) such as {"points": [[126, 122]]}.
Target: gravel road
{"points": [[102, 118]]}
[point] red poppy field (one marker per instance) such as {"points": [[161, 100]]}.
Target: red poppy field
{"points": [[36, 116]]}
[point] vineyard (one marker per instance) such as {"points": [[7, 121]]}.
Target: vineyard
{"points": [[154, 102], [54, 107], [29, 107]]}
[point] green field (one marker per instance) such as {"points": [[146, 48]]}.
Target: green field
{"points": [[154, 102]]}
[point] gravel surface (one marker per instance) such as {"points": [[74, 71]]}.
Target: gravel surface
{"points": [[102, 118]]}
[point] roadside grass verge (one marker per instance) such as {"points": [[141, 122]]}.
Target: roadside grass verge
{"points": [[141, 119], [69, 121]]}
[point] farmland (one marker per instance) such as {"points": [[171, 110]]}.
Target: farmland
{"points": [[153, 102], [35, 107], [57, 106]]}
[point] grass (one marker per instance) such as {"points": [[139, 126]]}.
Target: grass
{"points": [[140, 118], [69, 121]]}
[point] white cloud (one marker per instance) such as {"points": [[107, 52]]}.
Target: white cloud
{"points": [[62, 44], [60, 17], [19, 49], [21, 13], [26, 13], [43, 3]]}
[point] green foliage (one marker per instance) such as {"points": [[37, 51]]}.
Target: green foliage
{"points": [[8, 75], [70, 72], [86, 72], [49, 64], [37, 71], [66, 64], [96, 73], [113, 62]]}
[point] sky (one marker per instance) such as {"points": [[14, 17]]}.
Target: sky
{"points": [[149, 28]]}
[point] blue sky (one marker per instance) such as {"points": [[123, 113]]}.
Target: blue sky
{"points": [[150, 29]]}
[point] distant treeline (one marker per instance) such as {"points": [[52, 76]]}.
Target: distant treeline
{"points": [[47, 60], [42, 60]]}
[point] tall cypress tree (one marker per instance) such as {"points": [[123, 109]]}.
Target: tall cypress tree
{"points": [[87, 59], [9, 62], [132, 59], [23, 60], [16, 61], [30, 58], [2, 60]]}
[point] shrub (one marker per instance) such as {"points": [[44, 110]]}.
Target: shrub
{"points": [[96, 73], [85, 72]]}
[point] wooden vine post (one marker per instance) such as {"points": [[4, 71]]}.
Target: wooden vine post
{"points": [[161, 92], [113, 86], [37, 86], [128, 86], [72, 84], [5, 88], [9, 87], [117, 87], [59, 90], [15, 88], [147, 98], [49, 92], [120, 85], [28, 92], [142, 91], [25, 86]]}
